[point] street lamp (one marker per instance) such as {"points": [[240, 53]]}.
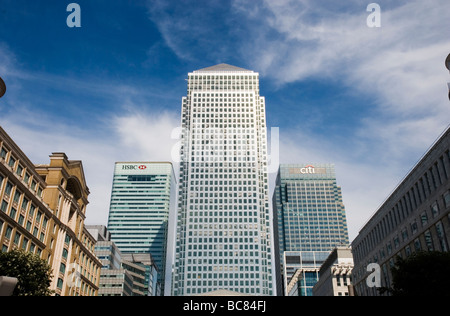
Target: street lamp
{"points": [[447, 64], [2, 87], [7, 285]]}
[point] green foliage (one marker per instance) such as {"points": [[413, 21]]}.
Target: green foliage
{"points": [[33, 273], [422, 273]]}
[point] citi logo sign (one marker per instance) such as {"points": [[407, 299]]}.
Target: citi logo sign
{"points": [[134, 167], [308, 169]]}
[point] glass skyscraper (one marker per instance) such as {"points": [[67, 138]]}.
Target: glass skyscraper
{"points": [[309, 215], [223, 230], [143, 194]]}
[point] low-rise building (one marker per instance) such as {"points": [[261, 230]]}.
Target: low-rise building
{"points": [[42, 211], [415, 217], [335, 274], [123, 274]]}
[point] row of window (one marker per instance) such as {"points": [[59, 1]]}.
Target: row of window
{"points": [[19, 241], [22, 211], [408, 231], [424, 242], [229, 105], [21, 171], [436, 175]]}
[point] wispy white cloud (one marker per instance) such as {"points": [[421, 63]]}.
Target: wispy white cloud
{"points": [[147, 137], [399, 67], [132, 137], [129, 127]]}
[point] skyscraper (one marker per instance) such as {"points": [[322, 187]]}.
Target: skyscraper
{"points": [[310, 218], [143, 194], [223, 233]]}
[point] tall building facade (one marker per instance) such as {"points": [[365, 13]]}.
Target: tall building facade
{"points": [[309, 217], [42, 211], [143, 196], [223, 228], [415, 217]]}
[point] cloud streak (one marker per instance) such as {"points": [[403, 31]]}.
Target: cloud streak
{"points": [[391, 85]]}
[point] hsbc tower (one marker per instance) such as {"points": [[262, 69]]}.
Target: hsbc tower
{"points": [[142, 198]]}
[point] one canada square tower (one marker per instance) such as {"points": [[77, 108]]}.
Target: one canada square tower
{"points": [[223, 238]]}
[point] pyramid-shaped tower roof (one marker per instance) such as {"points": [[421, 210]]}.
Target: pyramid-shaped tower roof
{"points": [[223, 68]]}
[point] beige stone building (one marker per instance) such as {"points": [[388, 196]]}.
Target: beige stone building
{"points": [[42, 210], [336, 274]]}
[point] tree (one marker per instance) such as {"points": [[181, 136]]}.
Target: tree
{"points": [[33, 274], [422, 273]]}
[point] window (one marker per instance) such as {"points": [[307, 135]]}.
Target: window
{"points": [[19, 170], [424, 218], [60, 283], [429, 240], [4, 206], [8, 188], [11, 162], [8, 232], [441, 236], [24, 203], [417, 245], [25, 243], [13, 213], [17, 196], [3, 153], [404, 234], [17, 238], [434, 209], [414, 227], [447, 199]]}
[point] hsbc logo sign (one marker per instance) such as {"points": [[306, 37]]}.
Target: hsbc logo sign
{"points": [[134, 167]]}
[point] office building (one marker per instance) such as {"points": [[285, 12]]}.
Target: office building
{"points": [[43, 208], [301, 271], [143, 195], [336, 274], [121, 275], [309, 216], [415, 217], [223, 231]]}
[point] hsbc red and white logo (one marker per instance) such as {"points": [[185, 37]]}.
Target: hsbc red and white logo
{"points": [[134, 167]]}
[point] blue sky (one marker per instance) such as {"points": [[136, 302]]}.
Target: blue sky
{"points": [[370, 100]]}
